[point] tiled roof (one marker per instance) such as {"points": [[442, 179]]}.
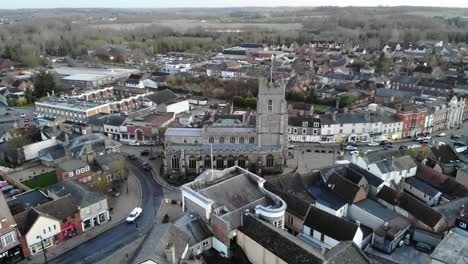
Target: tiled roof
{"points": [[330, 225]]}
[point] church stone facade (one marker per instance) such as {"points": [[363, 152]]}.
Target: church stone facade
{"points": [[261, 148]]}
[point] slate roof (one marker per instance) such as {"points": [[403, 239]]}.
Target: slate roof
{"points": [[419, 210], [60, 209], [444, 154], [445, 184], [376, 209], [25, 220], [371, 178], [28, 199], [103, 119], [330, 225], [192, 225], [295, 205], [77, 146], [346, 253], [162, 97], [82, 193], [451, 210], [298, 120], [184, 132], [388, 195], [52, 153], [422, 186], [72, 164], [343, 187], [323, 195], [285, 246]]}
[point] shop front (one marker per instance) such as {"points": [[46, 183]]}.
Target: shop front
{"points": [[37, 247], [69, 232], [95, 220], [12, 255], [359, 137]]}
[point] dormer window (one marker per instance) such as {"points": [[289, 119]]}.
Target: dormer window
{"points": [[305, 124]]}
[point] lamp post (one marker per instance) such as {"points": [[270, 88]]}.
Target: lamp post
{"points": [[43, 249]]}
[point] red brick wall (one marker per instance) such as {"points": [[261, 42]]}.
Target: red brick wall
{"points": [[76, 220], [63, 175]]}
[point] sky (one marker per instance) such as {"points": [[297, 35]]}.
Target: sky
{"points": [[17, 4]]}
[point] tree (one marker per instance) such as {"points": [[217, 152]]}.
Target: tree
{"points": [[21, 102], [101, 184], [44, 83], [29, 95], [383, 64], [346, 99]]}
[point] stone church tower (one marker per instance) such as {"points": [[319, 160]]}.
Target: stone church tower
{"points": [[272, 115]]}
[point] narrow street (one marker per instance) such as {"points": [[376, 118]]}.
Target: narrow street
{"points": [[123, 234]]}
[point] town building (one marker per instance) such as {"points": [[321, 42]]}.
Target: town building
{"points": [[304, 129], [10, 247], [76, 169], [221, 197], [92, 208], [261, 148]]}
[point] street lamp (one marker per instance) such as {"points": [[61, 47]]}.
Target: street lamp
{"points": [[43, 249]]}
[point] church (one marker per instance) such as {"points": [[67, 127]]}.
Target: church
{"points": [[258, 144]]}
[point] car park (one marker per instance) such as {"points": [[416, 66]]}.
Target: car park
{"points": [[134, 214]]}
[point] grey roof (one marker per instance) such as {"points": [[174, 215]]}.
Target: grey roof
{"points": [[163, 96], [376, 209], [192, 225], [156, 242], [77, 146], [103, 119], [285, 246], [52, 153], [371, 178], [27, 200], [225, 147], [451, 210], [5, 211], [184, 132], [346, 253], [422, 186], [330, 225], [452, 250], [229, 130], [323, 195], [82, 194], [385, 92], [73, 164], [105, 161], [384, 166], [359, 117], [60, 208]]}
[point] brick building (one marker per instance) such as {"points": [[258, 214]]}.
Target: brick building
{"points": [[77, 169]]}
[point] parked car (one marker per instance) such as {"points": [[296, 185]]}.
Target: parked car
{"points": [[134, 143], [146, 166], [14, 192], [403, 147], [441, 134], [423, 247], [291, 147], [132, 157], [427, 138], [372, 144], [455, 137], [145, 152], [418, 139], [4, 183], [354, 152], [134, 214], [7, 188], [414, 146], [23, 115], [351, 147], [388, 146]]}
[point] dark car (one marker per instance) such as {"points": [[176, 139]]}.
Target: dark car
{"points": [[145, 152], [403, 147], [455, 137], [132, 157], [388, 146], [423, 247], [146, 166]]}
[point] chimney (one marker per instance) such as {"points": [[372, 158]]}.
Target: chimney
{"points": [[170, 253], [333, 114], [462, 210]]}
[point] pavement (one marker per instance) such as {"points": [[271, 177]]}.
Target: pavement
{"points": [[121, 205], [107, 243]]}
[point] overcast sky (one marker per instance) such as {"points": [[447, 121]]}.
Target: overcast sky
{"points": [[14, 4]]}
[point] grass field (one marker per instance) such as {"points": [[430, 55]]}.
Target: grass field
{"points": [[320, 108], [42, 181]]}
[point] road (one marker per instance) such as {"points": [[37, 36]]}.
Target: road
{"points": [[110, 241]]}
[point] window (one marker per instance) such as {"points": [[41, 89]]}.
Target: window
{"points": [[44, 231], [211, 140], [55, 227], [50, 229], [304, 131], [205, 243], [295, 131], [305, 124], [270, 105], [241, 162], [175, 162], [352, 130], [8, 238], [220, 162], [230, 161], [192, 162], [251, 140], [232, 140], [241, 140], [316, 124], [221, 140], [207, 162], [269, 161], [341, 131]]}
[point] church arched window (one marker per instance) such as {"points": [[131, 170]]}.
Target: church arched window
{"points": [[270, 105]]}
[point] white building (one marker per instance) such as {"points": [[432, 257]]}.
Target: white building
{"points": [[173, 68]]}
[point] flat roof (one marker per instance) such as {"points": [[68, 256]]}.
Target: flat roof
{"points": [[184, 132], [72, 104], [85, 77], [452, 250]]}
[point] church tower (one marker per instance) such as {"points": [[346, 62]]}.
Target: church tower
{"points": [[272, 115]]}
